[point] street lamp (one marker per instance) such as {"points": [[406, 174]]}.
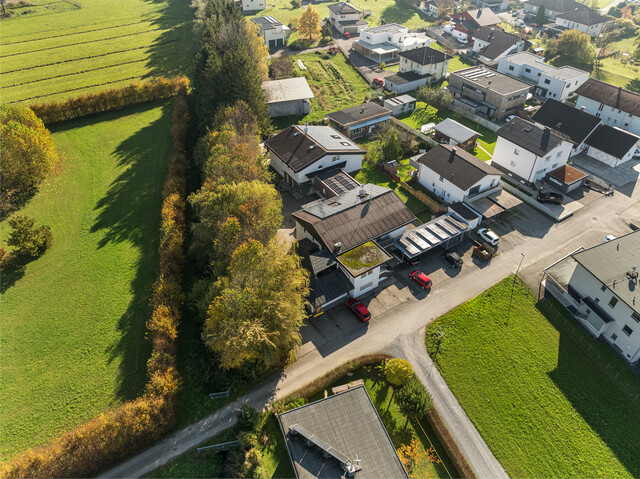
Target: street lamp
{"points": [[513, 285]]}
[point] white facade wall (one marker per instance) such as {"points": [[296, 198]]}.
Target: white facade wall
{"points": [[335, 18], [609, 115], [593, 30], [253, 5], [354, 163], [606, 157], [528, 165], [405, 87], [458, 35], [384, 37], [437, 70], [280, 33], [451, 193]]}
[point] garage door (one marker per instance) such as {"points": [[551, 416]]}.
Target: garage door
{"points": [[272, 43], [279, 42]]}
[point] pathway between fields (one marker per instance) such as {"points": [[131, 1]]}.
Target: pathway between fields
{"points": [[400, 332]]}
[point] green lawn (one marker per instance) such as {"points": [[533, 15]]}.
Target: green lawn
{"points": [[382, 11], [73, 323], [427, 114], [370, 174], [275, 459], [545, 407], [101, 45], [613, 70]]}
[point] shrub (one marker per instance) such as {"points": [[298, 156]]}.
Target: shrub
{"points": [[413, 399], [281, 67], [398, 371], [26, 238], [109, 100]]}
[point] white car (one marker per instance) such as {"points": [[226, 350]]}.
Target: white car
{"points": [[489, 236], [519, 22], [509, 118], [608, 238], [463, 41]]}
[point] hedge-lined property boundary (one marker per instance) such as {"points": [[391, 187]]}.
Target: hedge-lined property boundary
{"points": [[115, 435], [110, 100]]}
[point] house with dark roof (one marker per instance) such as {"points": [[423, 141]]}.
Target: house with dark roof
{"points": [[527, 152], [300, 152], [552, 8], [361, 120], [486, 92], [272, 31], [492, 43], [346, 18], [340, 436], [417, 68], [287, 97], [564, 120], [352, 226], [252, 5], [548, 81], [450, 132], [584, 19], [466, 23], [494, 5], [616, 106], [610, 145], [599, 287], [455, 175]]}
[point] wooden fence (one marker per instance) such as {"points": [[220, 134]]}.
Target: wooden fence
{"points": [[430, 203]]}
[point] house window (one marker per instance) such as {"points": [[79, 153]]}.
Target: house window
{"points": [[627, 330], [513, 163], [547, 81], [547, 158], [511, 68], [441, 178], [597, 300], [516, 152], [335, 158], [613, 302], [603, 288], [528, 70], [636, 317], [614, 336], [558, 154], [475, 190]]}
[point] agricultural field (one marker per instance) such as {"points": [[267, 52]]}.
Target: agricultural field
{"points": [[52, 54], [382, 11], [427, 114], [73, 321], [556, 410]]}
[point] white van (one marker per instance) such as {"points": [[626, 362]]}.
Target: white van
{"points": [[448, 29]]}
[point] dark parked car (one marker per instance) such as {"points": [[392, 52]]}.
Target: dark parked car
{"points": [[453, 259], [550, 197], [358, 309]]}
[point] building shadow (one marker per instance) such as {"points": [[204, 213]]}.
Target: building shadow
{"points": [[130, 212], [600, 402]]}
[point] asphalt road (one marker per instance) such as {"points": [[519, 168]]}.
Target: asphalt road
{"points": [[400, 332]]}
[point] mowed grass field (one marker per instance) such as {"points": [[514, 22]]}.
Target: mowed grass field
{"points": [[545, 406], [73, 323], [104, 44]]}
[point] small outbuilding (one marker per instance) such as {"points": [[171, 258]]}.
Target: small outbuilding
{"points": [[400, 105], [566, 178], [360, 121], [450, 132], [287, 97]]}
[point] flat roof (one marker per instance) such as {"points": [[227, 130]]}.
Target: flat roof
{"points": [[561, 73], [287, 89], [387, 28], [456, 131], [349, 424], [430, 235], [492, 80]]}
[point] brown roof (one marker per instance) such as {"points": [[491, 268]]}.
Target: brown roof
{"points": [[356, 220], [567, 174], [456, 165], [499, 41], [613, 96]]}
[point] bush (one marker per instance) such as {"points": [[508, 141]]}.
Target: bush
{"points": [[413, 399], [398, 371], [26, 238], [109, 100], [281, 67]]}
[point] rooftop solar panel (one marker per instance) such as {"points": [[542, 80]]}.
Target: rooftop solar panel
{"points": [[437, 231]]}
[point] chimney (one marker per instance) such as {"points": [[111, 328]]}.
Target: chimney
{"points": [[306, 128], [453, 154], [362, 110], [546, 135], [583, 108]]}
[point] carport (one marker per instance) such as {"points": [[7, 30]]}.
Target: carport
{"points": [[444, 231]]}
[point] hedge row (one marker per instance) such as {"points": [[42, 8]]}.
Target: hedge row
{"points": [[114, 435], [109, 100]]}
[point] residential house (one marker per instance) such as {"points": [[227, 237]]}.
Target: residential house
{"points": [[400, 105], [417, 68], [327, 437], [552, 8], [494, 5], [527, 152], [614, 105], [549, 81], [273, 32], [346, 18], [491, 44], [599, 288], [287, 97], [299, 153], [589, 135], [253, 5], [564, 120], [383, 43], [360, 121], [487, 92], [438, 8], [467, 23], [450, 132], [455, 175], [351, 226], [584, 19]]}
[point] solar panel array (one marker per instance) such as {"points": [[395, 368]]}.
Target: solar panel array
{"points": [[430, 235]]}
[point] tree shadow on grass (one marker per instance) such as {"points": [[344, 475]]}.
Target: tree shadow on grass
{"points": [[590, 389], [12, 272], [397, 14], [130, 212]]}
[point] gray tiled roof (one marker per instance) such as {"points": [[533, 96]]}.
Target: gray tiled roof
{"points": [[343, 8], [613, 96], [459, 167], [499, 41], [425, 55], [557, 5], [349, 423], [529, 136], [576, 124], [613, 141], [359, 114], [584, 16]]}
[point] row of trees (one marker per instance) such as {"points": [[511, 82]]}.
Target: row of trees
{"points": [[251, 288]]}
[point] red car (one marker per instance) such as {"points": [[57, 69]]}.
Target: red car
{"points": [[359, 309], [378, 82], [347, 35], [421, 279]]}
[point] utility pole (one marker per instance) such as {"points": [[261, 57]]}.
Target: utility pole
{"points": [[513, 286]]}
